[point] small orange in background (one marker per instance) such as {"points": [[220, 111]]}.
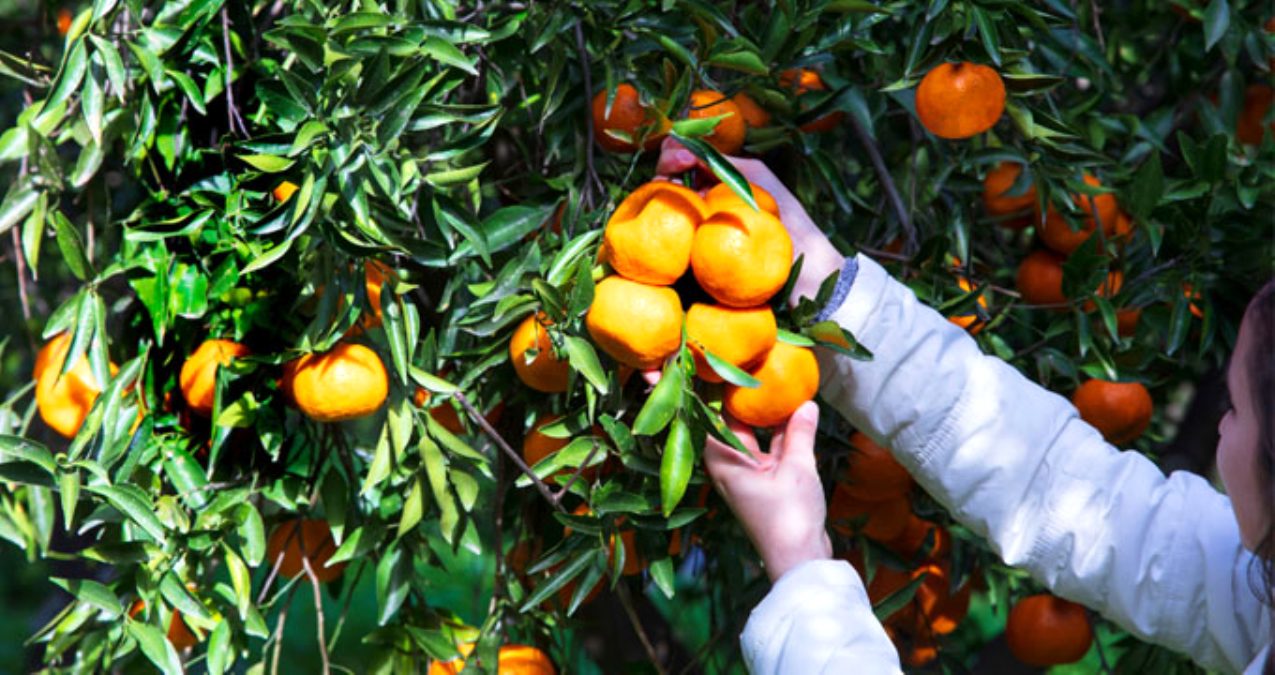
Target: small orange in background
{"points": [[728, 135], [873, 474], [1040, 277], [1057, 233], [374, 275], [346, 382], [1189, 292], [1124, 227], [444, 413], [884, 520], [971, 321], [628, 116], [179, 634], [741, 257], [64, 400], [921, 533], [649, 236], [537, 446], [636, 324], [303, 539], [1127, 321], [198, 376], [789, 376], [1012, 211], [1120, 410], [284, 191], [803, 80], [513, 660], [546, 372], [755, 116], [740, 336], [959, 100], [1109, 287], [1044, 630], [64, 21], [722, 198], [1252, 121]]}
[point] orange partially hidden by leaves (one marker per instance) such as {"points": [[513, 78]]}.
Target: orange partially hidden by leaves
{"points": [[921, 536], [536, 446], [722, 198], [789, 376], [295, 542], [513, 660], [64, 400], [883, 520], [346, 382], [740, 336], [1008, 210], [1057, 233], [179, 634], [546, 372], [728, 135], [959, 100], [629, 117], [636, 324], [1252, 121], [1189, 292], [284, 191], [801, 81], [1044, 630], [444, 413], [1120, 410], [755, 116], [198, 376], [374, 276], [741, 257], [1040, 278], [1127, 321], [64, 21], [970, 321], [649, 237], [873, 474]]}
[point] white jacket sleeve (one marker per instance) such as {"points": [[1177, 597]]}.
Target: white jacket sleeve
{"points": [[1159, 556], [817, 619]]}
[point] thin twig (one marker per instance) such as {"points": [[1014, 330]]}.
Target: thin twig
{"points": [[22, 272], [579, 469], [592, 179], [627, 602], [482, 423], [232, 113], [278, 636], [318, 613], [1097, 26], [887, 181]]}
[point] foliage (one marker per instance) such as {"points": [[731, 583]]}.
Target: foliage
{"points": [[440, 140]]}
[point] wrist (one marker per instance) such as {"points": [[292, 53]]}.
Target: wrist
{"points": [[818, 263], [791, 557]]}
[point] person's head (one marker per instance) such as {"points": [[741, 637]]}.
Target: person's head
{"points": [[1246, 447]]}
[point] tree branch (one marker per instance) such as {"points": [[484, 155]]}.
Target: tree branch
{"points": [[626, 601], [887, 181], [318, 614], [500, 442], [592, 180]]}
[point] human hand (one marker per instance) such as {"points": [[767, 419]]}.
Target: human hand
{"points": [[776, 495], [821, 257]]}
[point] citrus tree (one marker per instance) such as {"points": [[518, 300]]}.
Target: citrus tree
{"points": [[335, 304]]}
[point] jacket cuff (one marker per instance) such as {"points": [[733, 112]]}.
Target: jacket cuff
{"points": [[862, 294]]}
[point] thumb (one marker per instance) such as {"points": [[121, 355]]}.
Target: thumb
{"points": [[674, 159], [797, 444]]}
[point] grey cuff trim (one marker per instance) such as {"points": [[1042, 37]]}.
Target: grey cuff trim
{"points": [[844, 282]]}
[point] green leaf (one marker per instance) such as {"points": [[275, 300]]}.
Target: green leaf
{"points": [[252, 533], [221, 653], [676, 465], [187, 476], [268, 163], [570, 571], [832, 336], [745, 61], [584, 359], [132, 502], [436, 471], [16, 205], [1147, 188], [70, 75], [92, 103], [156, 647], [71, 246], [240, 579], [898, 599], [30, 451], [1217, 18], [92, 592], [413, 508], [175, 593], [719, 165], [664, 402], [69, 491], [393, 582], [448, 54], [731, 373]]}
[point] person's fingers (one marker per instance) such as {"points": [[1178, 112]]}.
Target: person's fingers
{"points": [[797, 444], [674, 158], [652, 377]]}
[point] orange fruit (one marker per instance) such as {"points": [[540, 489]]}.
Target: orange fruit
{"points": [[1010, 211], [1040, 278], [628, 116], [198, 378], [741, 257], [959, 100], [303, 539], [1252, 121], [346, 382], [632, 561], [801, 81], [1120, 410], [1127, 321], [789, 376], [971, 321], [921, 533], [1057, 233], [374, 275], [284, 191], [740, 336], [546, 372], [728, 135], [884, 520], [536, 446], [64, 21], [1124, 227], [754, 115], [1189, 292], [64, 401], [513, 660], [649, 237], [637, 324], [179, 634], [873, 473], [1044, 630], [444, 413], [722, 198]]}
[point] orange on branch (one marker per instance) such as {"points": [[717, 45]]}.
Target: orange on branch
{"points": [[740, 336], [1120, 410], [789, 376], [803, 80], [636, 324], [873, 474], [959, 100], [754, 115], [1252, 122], [1044, 630], [346, 382], [649, 237], [198, 377], [882, 520], [1009, 210], [295, 542], [179, 634], [628, 116], [728, 135], [545, 372], [970, 321], [1057, 234], [1127, 321], [722, 198], [1040, 278], [284, 191], [64, 400], [513, 660], [741, 257]]}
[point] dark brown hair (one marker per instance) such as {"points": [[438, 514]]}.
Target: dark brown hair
{"points": [[1260, 319]]}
